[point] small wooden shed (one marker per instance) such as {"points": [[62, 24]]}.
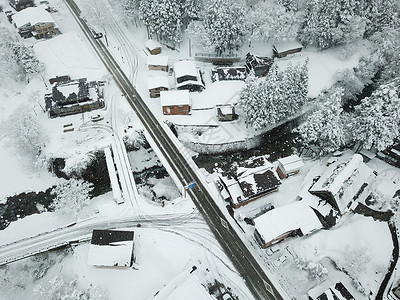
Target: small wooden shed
{"points": [[153, 47], [158, 63]]}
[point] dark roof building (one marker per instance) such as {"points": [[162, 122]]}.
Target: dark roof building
{"points": [[74, 96], [336, 291], [111, 248], [250, 181], [228, 73], [259, 65]]}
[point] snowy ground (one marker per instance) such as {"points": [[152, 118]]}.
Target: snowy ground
{"points": [[359, 245], [162, 255]]}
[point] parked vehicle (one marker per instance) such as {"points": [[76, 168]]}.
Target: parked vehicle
{"points": [[281, 260], [272, 249]]}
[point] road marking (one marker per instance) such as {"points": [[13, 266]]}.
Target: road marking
{"points": [[224, 223]]}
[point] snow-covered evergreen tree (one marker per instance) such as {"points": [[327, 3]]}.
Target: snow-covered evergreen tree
{"points": [[324, 128], [384, 60], [276, 97], [272, 22], [349, 82], [252, 103], [376, 122], [380, 14], [225, 24], [190, 10], [163, 19], [71, 196], [328, 23], [25, 132], [26, 59]]}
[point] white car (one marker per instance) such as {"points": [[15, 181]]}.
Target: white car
{"points": [[281, 260], [97, 118], [272, 249], [226, 296]]}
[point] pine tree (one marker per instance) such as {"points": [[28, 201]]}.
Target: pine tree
{"points": [[376, 122], [26, 59], [272, 22], [324, 128], [25, 132], [328, 23], [163, 19], [71, 196], [225, 24]]}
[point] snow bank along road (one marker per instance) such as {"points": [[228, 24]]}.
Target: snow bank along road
{"points": [[82, 232], [255, 278]]}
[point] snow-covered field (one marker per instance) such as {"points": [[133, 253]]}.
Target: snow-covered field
{"points": [[357, 250]]}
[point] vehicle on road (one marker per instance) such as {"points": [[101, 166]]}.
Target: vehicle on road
{"points": [[96, 118]]}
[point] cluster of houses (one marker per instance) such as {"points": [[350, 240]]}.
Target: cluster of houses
{"points": [[187, 77], [341, 187], [73, 96], [32, 21]]}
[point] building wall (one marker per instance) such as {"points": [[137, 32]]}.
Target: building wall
{"points": [[265, 244], [155, 93], [158, 68], [43, 29], [176, 110], [155, 51]]}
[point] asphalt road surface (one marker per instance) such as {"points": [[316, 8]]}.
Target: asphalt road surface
{"points": [[243, 260]]}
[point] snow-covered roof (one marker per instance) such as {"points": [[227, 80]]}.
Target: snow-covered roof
{"points": [[68, 89], [185, 67], [168, 98], [151, 44], [33, 16], [287, 45], [189, 82], [111, 248], [279, 221], [157, 81], [254, 177], [226, 109], [338, 285], [290, 163], [157, 60], [344, 180], [234, 189]]}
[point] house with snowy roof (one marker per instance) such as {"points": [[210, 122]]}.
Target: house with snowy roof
{"points": [[35, 21], [73, 97], [175, 102], [187, 76], [344, 182], [339, 288], [296, 219], [250, 181], [288, 166], [157, 84], [153, 47], [21, 4], [284, 49], [111, 248], [157, 63]]}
